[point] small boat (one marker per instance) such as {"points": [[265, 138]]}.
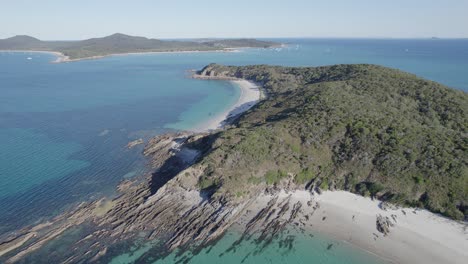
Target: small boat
{"points": [[29, 58]]}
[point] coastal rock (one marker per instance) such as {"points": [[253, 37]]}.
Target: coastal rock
{"points": [[388, 206], [383, 224], [134, 143], [189, 200], [162, 147], [210, 72], [169, 211]]}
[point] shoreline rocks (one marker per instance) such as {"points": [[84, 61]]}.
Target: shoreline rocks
{"points": [[134, 143], [383, 224]]}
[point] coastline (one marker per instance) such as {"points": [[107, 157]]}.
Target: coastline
{"points": [[417, 236], [250, 94], [62, 58]]}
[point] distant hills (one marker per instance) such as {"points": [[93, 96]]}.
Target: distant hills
{"points": [[120, 43]]}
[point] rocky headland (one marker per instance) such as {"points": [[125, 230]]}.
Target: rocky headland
{"points": [[281, 165]]}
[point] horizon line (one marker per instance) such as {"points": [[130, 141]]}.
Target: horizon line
{"points": [[263, 37]]}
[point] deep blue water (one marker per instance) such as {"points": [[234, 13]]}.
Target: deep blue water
{"points": [[64, 127]]}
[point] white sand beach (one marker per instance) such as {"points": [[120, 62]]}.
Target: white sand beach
{"points": [[62, 58], [418, 236], [250, 94]]}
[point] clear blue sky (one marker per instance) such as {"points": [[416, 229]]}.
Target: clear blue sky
{"points": [[79, 19]]}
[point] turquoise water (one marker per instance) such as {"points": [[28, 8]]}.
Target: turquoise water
{"points": [[290, 247], [64, 127], [19, 143]]}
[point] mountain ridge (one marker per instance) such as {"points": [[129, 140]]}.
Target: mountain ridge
{"points": [[119, 43]]}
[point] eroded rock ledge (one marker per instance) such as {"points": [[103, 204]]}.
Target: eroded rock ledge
{"points": [[167, 205], [243, 177]]}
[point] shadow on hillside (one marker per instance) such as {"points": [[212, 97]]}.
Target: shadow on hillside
{"points": [[237, 112]]}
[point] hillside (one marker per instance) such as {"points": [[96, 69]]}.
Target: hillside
{"points": [[367, 129], [120, 43]]}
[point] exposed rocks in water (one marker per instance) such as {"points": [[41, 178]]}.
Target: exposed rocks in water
{"points": [[15, 241], [134, 143], [147, 207], [179, 215], [169, 206]]}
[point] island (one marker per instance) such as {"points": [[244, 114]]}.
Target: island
{"points": [[123, 44], [366, 154]]}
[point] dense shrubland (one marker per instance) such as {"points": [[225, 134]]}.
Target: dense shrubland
{"points": [[363, 128]]}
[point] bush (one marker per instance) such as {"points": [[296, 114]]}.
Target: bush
{"points": [[274, 177], [324, 185], [304, 176], [207, 183]]}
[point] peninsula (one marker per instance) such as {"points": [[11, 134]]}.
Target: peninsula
{"points": [[363, 153], [123, 44]]}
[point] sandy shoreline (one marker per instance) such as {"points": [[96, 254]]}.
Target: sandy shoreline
{"points": [[250, 94], [62, 58], [418, 236]]}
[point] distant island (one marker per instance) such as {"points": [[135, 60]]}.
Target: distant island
{"points": [[122, 44], [353, 151]]}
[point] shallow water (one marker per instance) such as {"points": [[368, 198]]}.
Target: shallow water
{"points": [[64, 127], [290, 247]]}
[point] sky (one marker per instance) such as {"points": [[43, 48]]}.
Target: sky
{"points": [[81, 19]]}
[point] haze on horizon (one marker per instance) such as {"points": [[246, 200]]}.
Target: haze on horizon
{"points": [[73, 20]]}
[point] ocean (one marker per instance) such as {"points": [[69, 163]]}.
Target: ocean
{"points": [[64, 127]]}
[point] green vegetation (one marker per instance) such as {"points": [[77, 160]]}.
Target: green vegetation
{"points": [[239, 43], [363, 128], [120, 43], [207, 183], [304, 176], [274, 177]]}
